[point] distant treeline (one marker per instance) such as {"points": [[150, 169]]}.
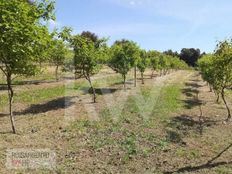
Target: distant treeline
{"points": [[189, 55]]}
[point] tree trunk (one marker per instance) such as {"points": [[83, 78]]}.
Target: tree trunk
{"points": [[142, 77], [135, 76], [75, 75], [227, 107], [40, 64], [93, 90], [10, 98], [210, 88], [218, 98], [124, 82], [57, 68], [152, 74], [161, 72]]}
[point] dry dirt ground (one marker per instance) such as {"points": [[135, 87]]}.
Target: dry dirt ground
{"points": [[198, 139]]}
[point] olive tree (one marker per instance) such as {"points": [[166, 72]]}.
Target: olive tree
{"points": [[124, 55], [22, 39]]}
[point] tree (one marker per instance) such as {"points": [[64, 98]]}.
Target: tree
{"points": [[176, 63], [171, 53], [154, 61], [216, 70], [135, 58], [22, 38], [143, 63], [223, 70], [164, 63], [190, 56], [124, 55], [58, 55], [87, 57]]}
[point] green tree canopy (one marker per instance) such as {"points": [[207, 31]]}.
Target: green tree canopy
{"points": [[124, 56], [87, 57], [58, 54], [23, 37], [216, 69], [143, 63]]}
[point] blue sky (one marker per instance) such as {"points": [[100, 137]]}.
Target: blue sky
{"points": [[153, 24]]}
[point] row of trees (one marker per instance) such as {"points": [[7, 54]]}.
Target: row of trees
{"points": [[216, 69], [25, 42], [92, 52]]}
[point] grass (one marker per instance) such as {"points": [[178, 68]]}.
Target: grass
{"points": [[110, 80], [40, 95], [44, 75], [145, 137], [131, 136], [35, 96]]}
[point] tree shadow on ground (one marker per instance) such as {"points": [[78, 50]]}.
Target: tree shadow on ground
{"points": [[60, 103], [181, 126], [121, 83], [6, 132], [193, 84], [34, 82], [195, 80], [208, 165], [199, 167], [192, 99], [3, 115], [151, 76], [145, 78], [191, 103], [3, 87], [99, 91], [191, 91]]}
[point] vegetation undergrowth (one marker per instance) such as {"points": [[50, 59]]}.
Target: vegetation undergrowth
{"points": [[132, 135]]}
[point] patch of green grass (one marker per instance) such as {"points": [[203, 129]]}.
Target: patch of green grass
{"points": [[20, 80], [40, 95], [224, 169], [131, 135], [110, 81], [186, 153], [168, 101]]}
